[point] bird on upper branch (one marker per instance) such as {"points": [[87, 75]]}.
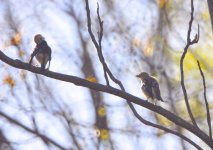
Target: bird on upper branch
{"points": [[42, 51], [150, 87]]}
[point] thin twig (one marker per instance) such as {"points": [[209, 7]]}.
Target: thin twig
{"points": [[97, 45], [112, 77], [189, 42], [206, 102]]}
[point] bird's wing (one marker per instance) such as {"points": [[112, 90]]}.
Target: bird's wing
{"points": [[156, 89], [147, 91], [44, 48]]}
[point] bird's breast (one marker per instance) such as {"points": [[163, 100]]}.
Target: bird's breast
{"points": [[42, 58]]}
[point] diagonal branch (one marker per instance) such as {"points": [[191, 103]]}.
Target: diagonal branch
{"points": [[162, 127], [43, 137], [206, 102], [107, 70], [189, 42], [99, 87]]}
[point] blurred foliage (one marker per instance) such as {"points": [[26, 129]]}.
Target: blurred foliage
{"points": [[148, 48], [162, 3], [101, 111], [8, 79], [16, 39], [104, 134], [138, 36], [164, 121], [198, 109]]}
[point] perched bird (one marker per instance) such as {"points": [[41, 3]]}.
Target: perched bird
{"points": [[150, 87], [42, 51]]}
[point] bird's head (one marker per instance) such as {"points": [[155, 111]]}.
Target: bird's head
{"points": [[38, 38], [143, 75]]}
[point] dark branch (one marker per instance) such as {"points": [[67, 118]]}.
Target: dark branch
{"points": [[43, 137], [97, 44], [99, 87], [210, 6], [162, 127], [206, 102], [107, 70], [189, 42]]}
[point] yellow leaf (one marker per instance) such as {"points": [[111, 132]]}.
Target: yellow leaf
{"points": [[9, 80], [162, 3], [16, 39], [205, 15], [104, 134], [148, 48], [91, 79], [101, 111]]}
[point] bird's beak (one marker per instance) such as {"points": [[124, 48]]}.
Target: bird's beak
{"points": [[138, 76]]}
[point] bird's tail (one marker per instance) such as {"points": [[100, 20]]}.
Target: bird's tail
{"points": [[43, 66], [163, 100]]}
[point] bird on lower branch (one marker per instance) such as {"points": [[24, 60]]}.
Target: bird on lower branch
{"points": [[150, 87]]}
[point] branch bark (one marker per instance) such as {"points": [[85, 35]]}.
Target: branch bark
{"points": [[206, 102]]}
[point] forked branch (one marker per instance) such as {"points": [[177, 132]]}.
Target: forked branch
{"points": [[189, 43]]}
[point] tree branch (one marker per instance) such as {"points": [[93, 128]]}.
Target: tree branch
{"points": [[162, 127], [210, 6], [99, 87], [206, 102], [107, 70], [189, 42], [97, 44], [43, 137]]}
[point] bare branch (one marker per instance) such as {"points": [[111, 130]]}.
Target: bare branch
{"points": [[97, 44], [43, 137], [107, 70], [189, 42], [162, 127], [107, 89], [206, 102]]}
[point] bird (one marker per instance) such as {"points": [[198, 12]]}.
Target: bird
{"points": [[42, 51], [150, 87]]}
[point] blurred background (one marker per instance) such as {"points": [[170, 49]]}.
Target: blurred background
{"points": [[139, 35]]}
